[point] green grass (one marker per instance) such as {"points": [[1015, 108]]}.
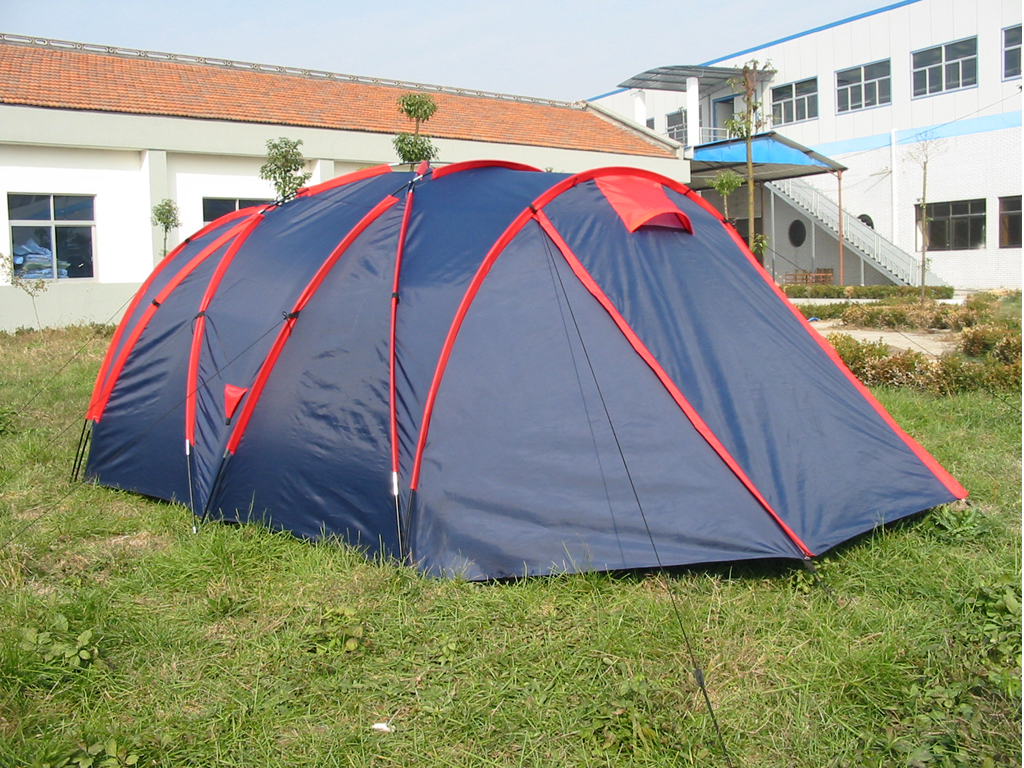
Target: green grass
{"points": [[240, 647]]}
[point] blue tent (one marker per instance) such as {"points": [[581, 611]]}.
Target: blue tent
{"points": [[492, 371]]}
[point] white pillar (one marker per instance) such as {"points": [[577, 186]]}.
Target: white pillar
{"points": [[640, 107], [692, 112], [154, 166]]}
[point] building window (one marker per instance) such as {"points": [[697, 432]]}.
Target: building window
{"points": [[862, 87], [676, 122], [650, 123], [215, 207], [795, 101], [51, 235], [955, 226], [946, 67], [1009, 220], [1011, 52]]}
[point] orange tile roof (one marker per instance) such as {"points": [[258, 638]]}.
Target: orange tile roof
{"points": [[44, 76]]}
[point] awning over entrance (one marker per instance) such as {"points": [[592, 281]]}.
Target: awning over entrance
{"points": [[775, 157]]}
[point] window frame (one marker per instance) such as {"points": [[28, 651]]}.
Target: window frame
{"points": [[54, 225], [971, 222], [676, 131], [1007, 216], [863, 84], [942, 65], [237, 201], [808, 100], [1008, 49]]}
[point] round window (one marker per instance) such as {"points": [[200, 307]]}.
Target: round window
{"points": [[867, 220], [797, 233]]}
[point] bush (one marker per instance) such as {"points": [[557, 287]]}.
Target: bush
{"points": [[1007, 349], [823, 311], [857, 355], [875, 364], [802, 291], [907, 315], [980, 340]]}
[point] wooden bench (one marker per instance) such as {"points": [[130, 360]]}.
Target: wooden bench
{"points": [[801, 277]]}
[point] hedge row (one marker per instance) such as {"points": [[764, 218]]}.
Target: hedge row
{"points": [[875, 364], [865, 291]]}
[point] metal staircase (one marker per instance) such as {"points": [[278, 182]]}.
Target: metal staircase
{"points": [[893, 262]]}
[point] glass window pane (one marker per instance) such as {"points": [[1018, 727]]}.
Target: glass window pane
{"points": [[953, 75], [812, 106], [1009, 204], [856, 98], [788, 111], [884, 94], [249, 203], [21, 207], [961, 207], [875, 71], [843, 98], [33, 252], [961, 234], [848, 77], [777, 113], [74, 251], [976, 236], [927, 58], [72, 207], [806, 87], [1012, 63], [801, 109], [920, 83], [968, 72], [935, 80], [870, 94], [782, 93], [1011, 36], [214, 208], [962, 49]]}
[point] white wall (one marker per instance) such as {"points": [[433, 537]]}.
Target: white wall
{"points": [[980, 150], [121, 250]]}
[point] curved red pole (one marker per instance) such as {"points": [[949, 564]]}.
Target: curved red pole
{"points": [[101, 402], [192, 378], [282, 336], [393, 408]]}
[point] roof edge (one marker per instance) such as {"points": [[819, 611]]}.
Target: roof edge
{"points": [[822, 28], [30, 41], [643, 130]]}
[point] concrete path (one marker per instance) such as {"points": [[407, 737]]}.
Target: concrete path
{"points": [[932, 343]]}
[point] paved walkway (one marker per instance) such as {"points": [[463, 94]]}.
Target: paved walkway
{"points": [[933, 343]]}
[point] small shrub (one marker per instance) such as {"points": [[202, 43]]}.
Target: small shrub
{"points": [[979, 340], [857, 354], [905, 368], [1007, 349]]}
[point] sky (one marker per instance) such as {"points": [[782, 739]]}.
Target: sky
{"points": [[555, 49]]}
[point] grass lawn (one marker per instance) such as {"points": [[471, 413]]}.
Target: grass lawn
{"points": [[126, 638]]}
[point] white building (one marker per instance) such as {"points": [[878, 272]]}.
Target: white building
{"points": [[91, 138], [884, 93]]}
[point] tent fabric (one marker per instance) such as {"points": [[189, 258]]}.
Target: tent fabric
{"points": [[488, 371]]}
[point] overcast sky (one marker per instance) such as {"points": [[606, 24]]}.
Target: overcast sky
{"points": [[558, 49]]}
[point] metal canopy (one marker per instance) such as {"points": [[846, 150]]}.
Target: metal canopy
{"points": [[674, 78], [775, 157]]}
